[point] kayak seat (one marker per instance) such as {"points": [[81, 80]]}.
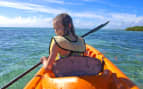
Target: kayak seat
{"points": [[77, 66]]}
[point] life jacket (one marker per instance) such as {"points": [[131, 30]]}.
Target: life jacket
{"points": [[75, 47]]}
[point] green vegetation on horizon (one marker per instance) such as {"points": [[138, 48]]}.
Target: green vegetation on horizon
{"points": [[136, 28]]}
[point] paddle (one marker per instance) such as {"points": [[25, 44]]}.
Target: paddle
{"points": [[29, 70]]}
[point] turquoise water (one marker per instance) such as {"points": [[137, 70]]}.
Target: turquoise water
{"points": [[21, 48]]}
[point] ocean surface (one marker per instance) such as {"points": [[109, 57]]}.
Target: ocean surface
{"points": [[21, 48]]}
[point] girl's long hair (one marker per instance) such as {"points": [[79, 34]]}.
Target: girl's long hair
{"points": [[66, 20]]}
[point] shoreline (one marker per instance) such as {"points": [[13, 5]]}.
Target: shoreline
{"points": [[136, 28]]}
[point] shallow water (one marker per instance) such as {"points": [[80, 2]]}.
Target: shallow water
{"points": [[21, 48]]}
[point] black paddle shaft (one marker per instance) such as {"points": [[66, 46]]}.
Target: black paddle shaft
{"points": [[95, 29], [23, 74], [20, 76]]}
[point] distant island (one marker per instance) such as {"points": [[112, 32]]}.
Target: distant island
{"points": [[136, 28]]}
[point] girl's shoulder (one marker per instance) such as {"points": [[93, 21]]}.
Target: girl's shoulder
{"points": [[58, 37], [63, 38]]}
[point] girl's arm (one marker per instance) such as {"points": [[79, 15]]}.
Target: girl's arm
{"points": [[48, 62]]}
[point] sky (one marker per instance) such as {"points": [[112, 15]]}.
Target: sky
{"points": [[85, 13]]}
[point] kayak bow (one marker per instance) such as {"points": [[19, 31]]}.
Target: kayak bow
{"points": [[111, 78]]}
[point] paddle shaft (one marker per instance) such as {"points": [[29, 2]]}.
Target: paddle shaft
{"points": [[20, 76], [95, 29], [23, 74]]}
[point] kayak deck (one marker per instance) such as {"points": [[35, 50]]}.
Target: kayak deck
{"points": [[111, 78]]}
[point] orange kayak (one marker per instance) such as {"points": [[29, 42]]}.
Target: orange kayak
{"points": [[111, 78]]}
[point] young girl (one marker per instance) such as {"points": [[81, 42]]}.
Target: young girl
{"points": [[66, 43]]}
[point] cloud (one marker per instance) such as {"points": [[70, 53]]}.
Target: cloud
{"points": [[87, 15], [55, 1], [31, 7], [34, 21], [124, 20], [81, 19], [62, 2], [117, 20], [49, 10], [25, 22]]}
